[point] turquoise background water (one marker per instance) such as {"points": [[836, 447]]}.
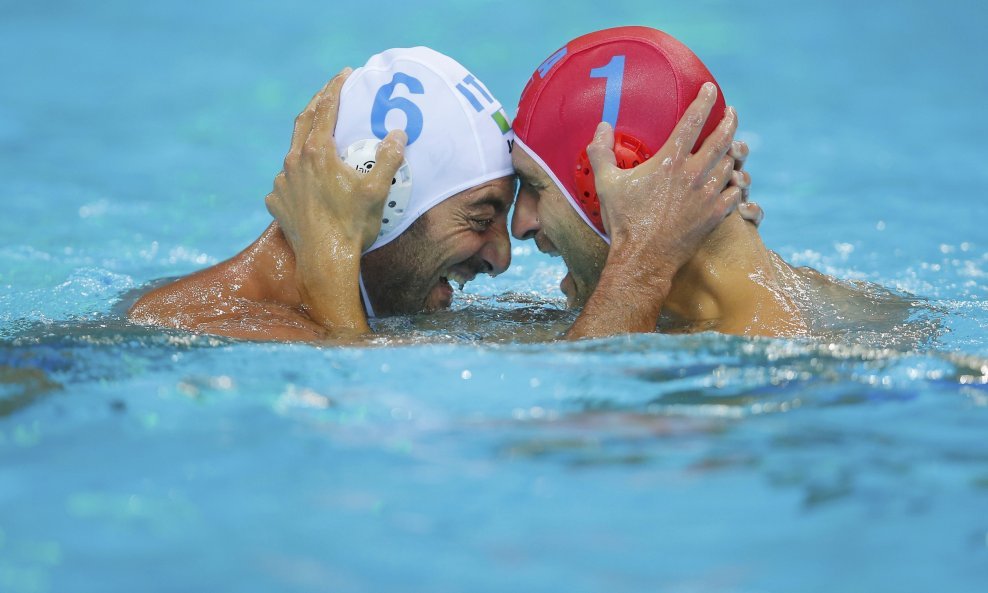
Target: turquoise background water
{"points": [[138, 141]]}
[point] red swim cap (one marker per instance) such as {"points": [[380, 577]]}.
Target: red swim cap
{"points": [[640, 80]]}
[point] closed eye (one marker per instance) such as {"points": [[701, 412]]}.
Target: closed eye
{"points": [[482, 223]]}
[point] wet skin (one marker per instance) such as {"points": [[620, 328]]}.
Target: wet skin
{"points": [[676, 244], [454, 241], [255, 295], [299, 280], [544, 215]]}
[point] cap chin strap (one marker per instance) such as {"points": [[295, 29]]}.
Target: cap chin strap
{"points": [[363, 293]]}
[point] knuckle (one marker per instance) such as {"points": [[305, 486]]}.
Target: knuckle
{"points": [[291, 160], [310, 151], [273, 204]]}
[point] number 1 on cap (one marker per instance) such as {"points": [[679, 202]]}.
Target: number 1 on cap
{"points": [[613, 72], [385, 103]]}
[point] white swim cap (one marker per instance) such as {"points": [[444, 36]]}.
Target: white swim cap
{"points": [[458, 134]]}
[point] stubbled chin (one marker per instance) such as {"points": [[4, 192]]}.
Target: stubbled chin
{"points": [[440, 297]]}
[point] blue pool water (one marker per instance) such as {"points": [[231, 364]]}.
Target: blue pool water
{"points": [[138, 141]]}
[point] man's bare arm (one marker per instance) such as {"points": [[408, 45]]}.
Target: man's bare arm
{"points": [[218, 301], [656, 216]]}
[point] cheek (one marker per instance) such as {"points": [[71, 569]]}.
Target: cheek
{"points": [[557, 222], [463, 245]]}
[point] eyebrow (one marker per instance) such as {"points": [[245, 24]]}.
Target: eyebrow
{"points": [[492, 200]]}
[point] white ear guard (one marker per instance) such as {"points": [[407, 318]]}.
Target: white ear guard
{"points": [[362, 156]]}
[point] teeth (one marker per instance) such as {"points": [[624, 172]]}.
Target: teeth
{"points": [[458, 278]]}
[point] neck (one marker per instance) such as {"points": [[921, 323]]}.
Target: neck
{"points": [[265, 270], [733, 285]]}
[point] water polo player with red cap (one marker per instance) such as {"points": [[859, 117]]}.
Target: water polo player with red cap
{"points": [[631, 213]]}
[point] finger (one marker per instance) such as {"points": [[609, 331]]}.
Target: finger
{"points": [[751, 212], [321, 138], [739, 152], [273, 199], [717, 143], [280, 180], [740, 178], [730, 198], [691, 124], [601, 151], [720, 178], [390, 156], [725, 170], [303, 123]]}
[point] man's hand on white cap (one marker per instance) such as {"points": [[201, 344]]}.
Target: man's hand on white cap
{"points": [[329, 212]]}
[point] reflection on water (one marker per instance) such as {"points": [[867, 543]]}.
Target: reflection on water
{"points": [[477, 426], [858, 312], [19, 387], [506, 318]]}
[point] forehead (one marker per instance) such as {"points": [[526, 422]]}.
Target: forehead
{"points": [[498, 193], [526, 167]]}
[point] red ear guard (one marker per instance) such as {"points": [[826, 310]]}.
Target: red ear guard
{"points": [[629, 151]]}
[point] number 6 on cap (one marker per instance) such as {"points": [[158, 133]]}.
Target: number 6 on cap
{"points": [[385, 102]]}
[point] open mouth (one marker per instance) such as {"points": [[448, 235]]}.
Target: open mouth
{"points": [[458, 277], [441, 295]]}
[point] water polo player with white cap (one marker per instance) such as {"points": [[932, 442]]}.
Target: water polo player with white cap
{"points": [[458, 138], [661, 162], [353, 201], [445, 216]]}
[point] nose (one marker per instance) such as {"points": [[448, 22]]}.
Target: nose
{"points": [[496, 251], [525, 220]]}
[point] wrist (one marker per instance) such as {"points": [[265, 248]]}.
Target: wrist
{"points": [[628, 298], [328, 284], [641, 267]]}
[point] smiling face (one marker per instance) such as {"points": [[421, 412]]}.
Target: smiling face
{"points": [[543, 214], [454, 241]]}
